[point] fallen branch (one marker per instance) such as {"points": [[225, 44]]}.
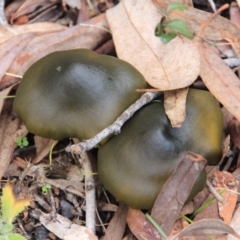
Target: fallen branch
{"points": [[90, 191], [115, 128]]}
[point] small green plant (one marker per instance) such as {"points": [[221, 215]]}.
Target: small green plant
{"points": [[11, 207], [21, 142], [169, 29], [45, 189]]}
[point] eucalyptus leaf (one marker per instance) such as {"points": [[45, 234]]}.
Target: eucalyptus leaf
{"points": [[179, 26], [176, 6], [167, 37]]}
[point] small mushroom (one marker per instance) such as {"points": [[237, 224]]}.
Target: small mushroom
{"points": [[134, 165], [75, 93]]}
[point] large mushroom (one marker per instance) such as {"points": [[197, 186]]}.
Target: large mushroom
{"points": [[135, 164], [75, 93]]}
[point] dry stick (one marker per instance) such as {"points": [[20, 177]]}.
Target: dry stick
{"points": [[115, 128], [214, 192], [206, 23], [91, 205]]}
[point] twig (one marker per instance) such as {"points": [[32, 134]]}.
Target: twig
{"points": [[115, 128], [214, 192], [3, 20], [85, 161], [208, 21], [213, 6]]}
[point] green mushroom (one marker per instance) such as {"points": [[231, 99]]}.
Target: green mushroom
{"points": [[135, 164], [75, 93]]}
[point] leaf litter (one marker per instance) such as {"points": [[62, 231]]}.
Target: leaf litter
{"points": [[166, 67]]}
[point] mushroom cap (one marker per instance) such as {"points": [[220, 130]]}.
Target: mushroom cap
{"points": [[75, 93], [135, 164]]}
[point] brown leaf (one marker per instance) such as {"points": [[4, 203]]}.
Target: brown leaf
{"points": [[219, 79], [65, 229], [206, 226], [234, 131], [43, 146], [30, 6], [9, 124], [3, 96], [176, 190], [235, 223], [234, 13], [76, 37], [225, 180], [6, 32], [11, 48], [141, 227], [162, 65], [175, 106], [117, 225]]}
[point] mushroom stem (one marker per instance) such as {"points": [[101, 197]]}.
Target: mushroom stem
{"points": [[115, 128]]}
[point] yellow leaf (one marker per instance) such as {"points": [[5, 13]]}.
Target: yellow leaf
{"points": [[11, 206]]}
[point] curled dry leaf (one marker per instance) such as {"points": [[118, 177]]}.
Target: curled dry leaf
{"points": [[204, 227], [219, 79], [30, 6], [164, 66], [141, 227], [175, 106]]}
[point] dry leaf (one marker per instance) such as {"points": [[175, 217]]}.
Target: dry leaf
{"points": [[141, 227], [3, 96], [206, 226], [175, 106], [117, 225], [11, 48], [234, 13], [43, 146], [31, 6], [7, 32], [79, 36], [176, 190], [234, 131], [65, 229], [219, 79], [235, 224], [225, 180], [9, 124], [162, 65]]}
